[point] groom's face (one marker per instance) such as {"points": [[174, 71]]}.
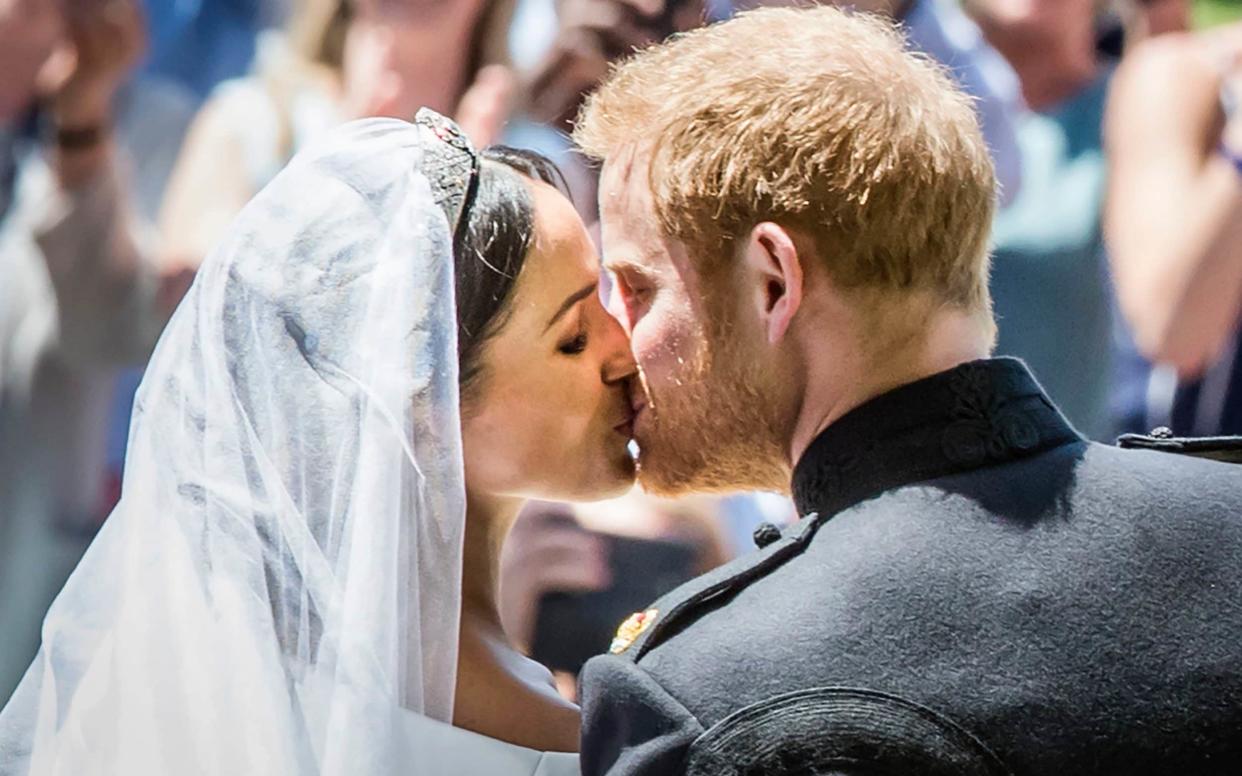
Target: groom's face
{"points": [[705, 422]]}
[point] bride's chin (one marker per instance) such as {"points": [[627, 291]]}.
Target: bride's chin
{"points": [[620, 475], [609, 471]]}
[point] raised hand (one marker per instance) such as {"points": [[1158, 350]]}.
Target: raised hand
{"points": [[104, 41], [594, 33], [546, 551], [484, 108]]}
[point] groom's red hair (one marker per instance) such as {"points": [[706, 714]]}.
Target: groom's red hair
{"points": [[819, 120]]}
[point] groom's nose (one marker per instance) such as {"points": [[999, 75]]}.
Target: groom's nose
{"points": [[610, 297], [619, 364]]}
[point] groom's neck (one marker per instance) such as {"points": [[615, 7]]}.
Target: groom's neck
{"points": [[837, 382]]}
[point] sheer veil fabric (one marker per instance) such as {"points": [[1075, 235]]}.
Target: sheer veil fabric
{"points": [[282, 573]]}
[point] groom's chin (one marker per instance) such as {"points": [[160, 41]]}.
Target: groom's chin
{"points": [[663, 473], [656, 482], [670, 468], [669, 473]]}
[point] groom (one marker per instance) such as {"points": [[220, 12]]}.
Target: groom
{"points": [[796, 214]]}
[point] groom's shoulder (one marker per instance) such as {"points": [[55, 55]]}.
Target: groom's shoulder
{"points": [[634, 718], [674, 612]]}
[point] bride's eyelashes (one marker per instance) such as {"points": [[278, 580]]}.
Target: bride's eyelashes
{"points": [[575, 345]]}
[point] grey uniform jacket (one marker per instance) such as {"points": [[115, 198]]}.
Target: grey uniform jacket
{"points": [[976, 590]]}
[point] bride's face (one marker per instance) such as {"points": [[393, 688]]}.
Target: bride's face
{"points": [[552, 417]]}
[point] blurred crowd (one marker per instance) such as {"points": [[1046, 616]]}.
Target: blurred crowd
{"points": [[132, 131]]}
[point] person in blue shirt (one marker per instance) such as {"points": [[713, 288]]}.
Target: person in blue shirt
{"points": [[1049, 278], [199, 43]]}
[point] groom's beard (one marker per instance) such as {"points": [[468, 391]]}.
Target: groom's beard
{"points": [[711, 428]]}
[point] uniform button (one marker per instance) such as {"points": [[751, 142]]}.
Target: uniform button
{"points": [[765, 534]]}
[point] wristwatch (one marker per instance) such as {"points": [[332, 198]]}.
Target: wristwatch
{"points": [[79, 138]]}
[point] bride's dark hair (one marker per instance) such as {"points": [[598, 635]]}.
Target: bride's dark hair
{"points": [[491, 247]]}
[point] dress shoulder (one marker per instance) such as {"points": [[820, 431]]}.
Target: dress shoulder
{"points": [[439, 748], [558, 764]]}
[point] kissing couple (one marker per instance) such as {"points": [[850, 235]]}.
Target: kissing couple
{"points": [[402, 339]]}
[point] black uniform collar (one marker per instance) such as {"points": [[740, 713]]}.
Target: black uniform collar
{"points": [[978, 414]]}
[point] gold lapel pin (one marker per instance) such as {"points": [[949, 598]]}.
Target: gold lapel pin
{"points": [[631, 629]]}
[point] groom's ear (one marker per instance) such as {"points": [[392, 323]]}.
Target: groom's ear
{"points": [[773, 270]]}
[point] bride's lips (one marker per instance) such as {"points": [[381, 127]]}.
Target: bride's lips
{"points": [[626, 426]]}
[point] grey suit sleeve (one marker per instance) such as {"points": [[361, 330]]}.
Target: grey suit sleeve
{"points": [[630, 724]]}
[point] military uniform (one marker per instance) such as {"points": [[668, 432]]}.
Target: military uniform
{"points": [[975, 589]]}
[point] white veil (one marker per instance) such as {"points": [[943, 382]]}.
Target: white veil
{"points": [[283, 569]]}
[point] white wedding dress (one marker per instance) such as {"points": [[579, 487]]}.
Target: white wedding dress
{"points": [[278, 590]]}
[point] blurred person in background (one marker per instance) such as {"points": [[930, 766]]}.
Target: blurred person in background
{"points": [[343, 59], [193, 45], [571, 573], [1049, 272], [76, 293], [940, 29], [1143, 19], [199, 43], [1174, 224], [592, 34], [1124, 23], [589, 36]]}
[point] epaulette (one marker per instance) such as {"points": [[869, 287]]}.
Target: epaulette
{"points": [[1220, 448], [643, 630]]}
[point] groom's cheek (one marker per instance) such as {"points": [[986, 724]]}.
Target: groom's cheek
{"points": [[651, 346]]}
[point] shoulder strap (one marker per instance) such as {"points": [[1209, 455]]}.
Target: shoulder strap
{"points": [[667, 615], [1219, 448]]}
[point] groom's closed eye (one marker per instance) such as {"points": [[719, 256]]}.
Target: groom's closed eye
{"points": [[631, 295]]}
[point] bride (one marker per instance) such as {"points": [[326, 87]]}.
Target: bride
{"points": [[396, 344]]}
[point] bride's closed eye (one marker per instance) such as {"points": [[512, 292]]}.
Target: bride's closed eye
{"points": [[575, 345], [577, 341]]}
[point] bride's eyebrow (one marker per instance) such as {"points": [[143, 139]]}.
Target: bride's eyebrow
{"points": [[572, 300]]}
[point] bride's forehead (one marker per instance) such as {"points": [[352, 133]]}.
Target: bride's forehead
{"points": [[556, 268], [552, 272], [559, 231]]}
